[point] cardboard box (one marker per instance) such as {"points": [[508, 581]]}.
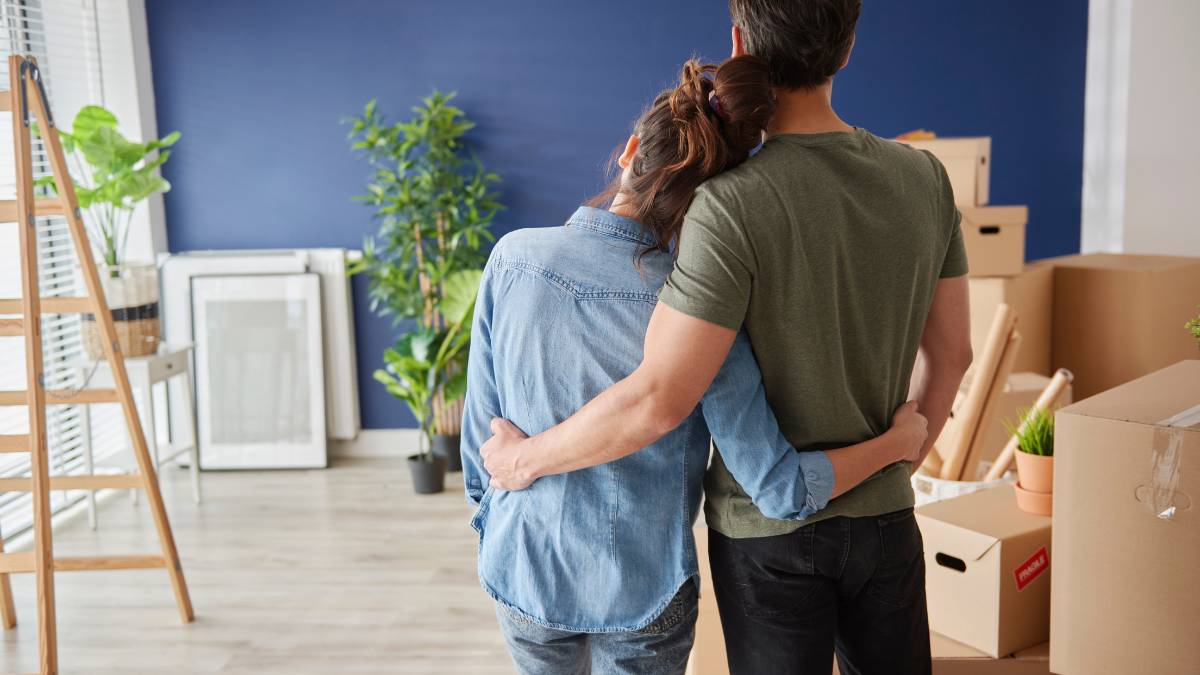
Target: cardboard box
{"points": [[968, 164], [1119, 317], [1031, 295], [1127, 529], [1020, 392], [994, 237], [987, 571], [955, 658], [708, 650]]}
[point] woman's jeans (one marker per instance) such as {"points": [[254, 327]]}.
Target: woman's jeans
{"points": [[661, 648], [854, 586]]}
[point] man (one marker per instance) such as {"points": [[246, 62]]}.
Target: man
{"points": [[841, 255]]}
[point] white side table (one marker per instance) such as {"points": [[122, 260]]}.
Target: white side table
{"points": [[171, 361]]}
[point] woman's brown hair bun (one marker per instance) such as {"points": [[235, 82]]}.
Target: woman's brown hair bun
{"points": [[706, 124]]}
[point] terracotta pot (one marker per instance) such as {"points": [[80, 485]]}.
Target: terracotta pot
{"points": [[1037, 503], [1035, 472]]}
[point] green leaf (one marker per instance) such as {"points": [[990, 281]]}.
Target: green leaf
{"points": [[90, 120], [459, 291]]}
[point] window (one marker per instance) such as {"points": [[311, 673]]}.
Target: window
{"points": [[65, 37]]}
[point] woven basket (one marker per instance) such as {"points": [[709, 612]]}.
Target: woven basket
{"points": [[132, 294]]}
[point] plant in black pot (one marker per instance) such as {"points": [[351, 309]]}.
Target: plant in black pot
{"points": [[426, 363], [434, 203]]}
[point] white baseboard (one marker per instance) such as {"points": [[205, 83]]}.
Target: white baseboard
{"points": [[377, 443]]}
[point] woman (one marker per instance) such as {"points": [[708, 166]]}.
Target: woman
{"points": [[594, 570]]}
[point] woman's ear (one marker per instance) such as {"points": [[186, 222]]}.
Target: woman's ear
{"points": [[739, 48], [631, 148]]}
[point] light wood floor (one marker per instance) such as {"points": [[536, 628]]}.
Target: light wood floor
{"points": [[336, 571]]}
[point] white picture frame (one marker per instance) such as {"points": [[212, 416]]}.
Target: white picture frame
{"points": [[260, 379]]}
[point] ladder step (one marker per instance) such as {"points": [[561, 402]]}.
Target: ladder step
{"points": [[11, 327], [22, 561], [41, 207], [50, 305], [115, 482], [14, 443], [62, 397]]}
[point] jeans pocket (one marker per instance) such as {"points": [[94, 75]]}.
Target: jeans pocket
{"points": [[776, 581], [685, 603], [899, 578]]}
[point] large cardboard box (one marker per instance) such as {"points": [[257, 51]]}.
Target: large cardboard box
{"points": [[1126, 592], [994, 237], [1118, 317], [1031, 295], [1020, 393], [987, 571], [968, 164]]}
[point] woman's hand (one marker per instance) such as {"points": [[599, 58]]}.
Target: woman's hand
{"points": [[911, 429]]}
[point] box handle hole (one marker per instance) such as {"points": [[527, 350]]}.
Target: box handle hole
{"points": [[950, 561], [989, 229]]}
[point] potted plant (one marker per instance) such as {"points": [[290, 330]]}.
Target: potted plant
{"points": [[1035, 461], [112, 176], [434, 203], [418, 368], [1193, 327]]}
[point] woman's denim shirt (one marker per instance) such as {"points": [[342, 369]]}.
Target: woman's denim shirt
{"points": [[561, 316]]}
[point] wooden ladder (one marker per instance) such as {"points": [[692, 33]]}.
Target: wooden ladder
{"points": [[26, 99]]}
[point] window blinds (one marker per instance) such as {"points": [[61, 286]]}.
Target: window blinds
{"points": [[65, 37]]}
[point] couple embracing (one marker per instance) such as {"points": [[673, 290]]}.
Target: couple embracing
{"points": [[772, 304]]}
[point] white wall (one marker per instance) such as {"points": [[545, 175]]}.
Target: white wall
{"points": [[1141, 143]]}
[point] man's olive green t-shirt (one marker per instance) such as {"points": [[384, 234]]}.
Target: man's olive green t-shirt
{"points": [[827, 249]]}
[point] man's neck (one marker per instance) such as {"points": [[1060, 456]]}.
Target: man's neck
{"points": [[806, 111]]}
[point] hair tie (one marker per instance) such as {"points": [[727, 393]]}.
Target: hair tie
{"points": [[714, 102]]}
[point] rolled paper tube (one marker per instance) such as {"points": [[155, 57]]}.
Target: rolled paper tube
{"points": [[999, 382], [972, 409], [1049, 397]]}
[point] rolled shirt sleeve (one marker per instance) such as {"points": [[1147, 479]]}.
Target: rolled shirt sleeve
{"points": [[783, 483]]}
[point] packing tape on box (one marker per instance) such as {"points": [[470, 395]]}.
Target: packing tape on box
{"points": [[1160, 495]]}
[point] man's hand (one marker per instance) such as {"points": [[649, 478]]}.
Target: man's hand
{"points": [[502, 454], [911, 429]]}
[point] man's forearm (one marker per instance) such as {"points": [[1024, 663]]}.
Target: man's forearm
{"points": [[617, 423]]}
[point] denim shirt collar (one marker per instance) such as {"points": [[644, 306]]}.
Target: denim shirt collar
{"points": [[610, 224]]}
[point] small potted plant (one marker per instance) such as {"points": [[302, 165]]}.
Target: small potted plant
{"points": [[113, 175], [425, 363], [1193, 327], [1035, 461]]}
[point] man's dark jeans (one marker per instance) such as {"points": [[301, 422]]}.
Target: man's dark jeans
{"points": [[854, 585]]}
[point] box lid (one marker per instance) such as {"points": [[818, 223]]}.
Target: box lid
{"points": [[1169, 394], [983, 519], [995, 215], [1124, 262]]}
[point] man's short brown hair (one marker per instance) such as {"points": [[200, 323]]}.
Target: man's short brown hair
{"points": [[804, 42]]}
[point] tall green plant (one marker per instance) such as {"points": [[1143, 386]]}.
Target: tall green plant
{"points": [[1193, 327], [112, 175], [434, 203]]}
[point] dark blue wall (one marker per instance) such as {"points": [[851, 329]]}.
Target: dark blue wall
{"points": [[258, 89]]}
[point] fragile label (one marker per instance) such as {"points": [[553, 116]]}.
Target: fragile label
{"points": [[1032, 569]]}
